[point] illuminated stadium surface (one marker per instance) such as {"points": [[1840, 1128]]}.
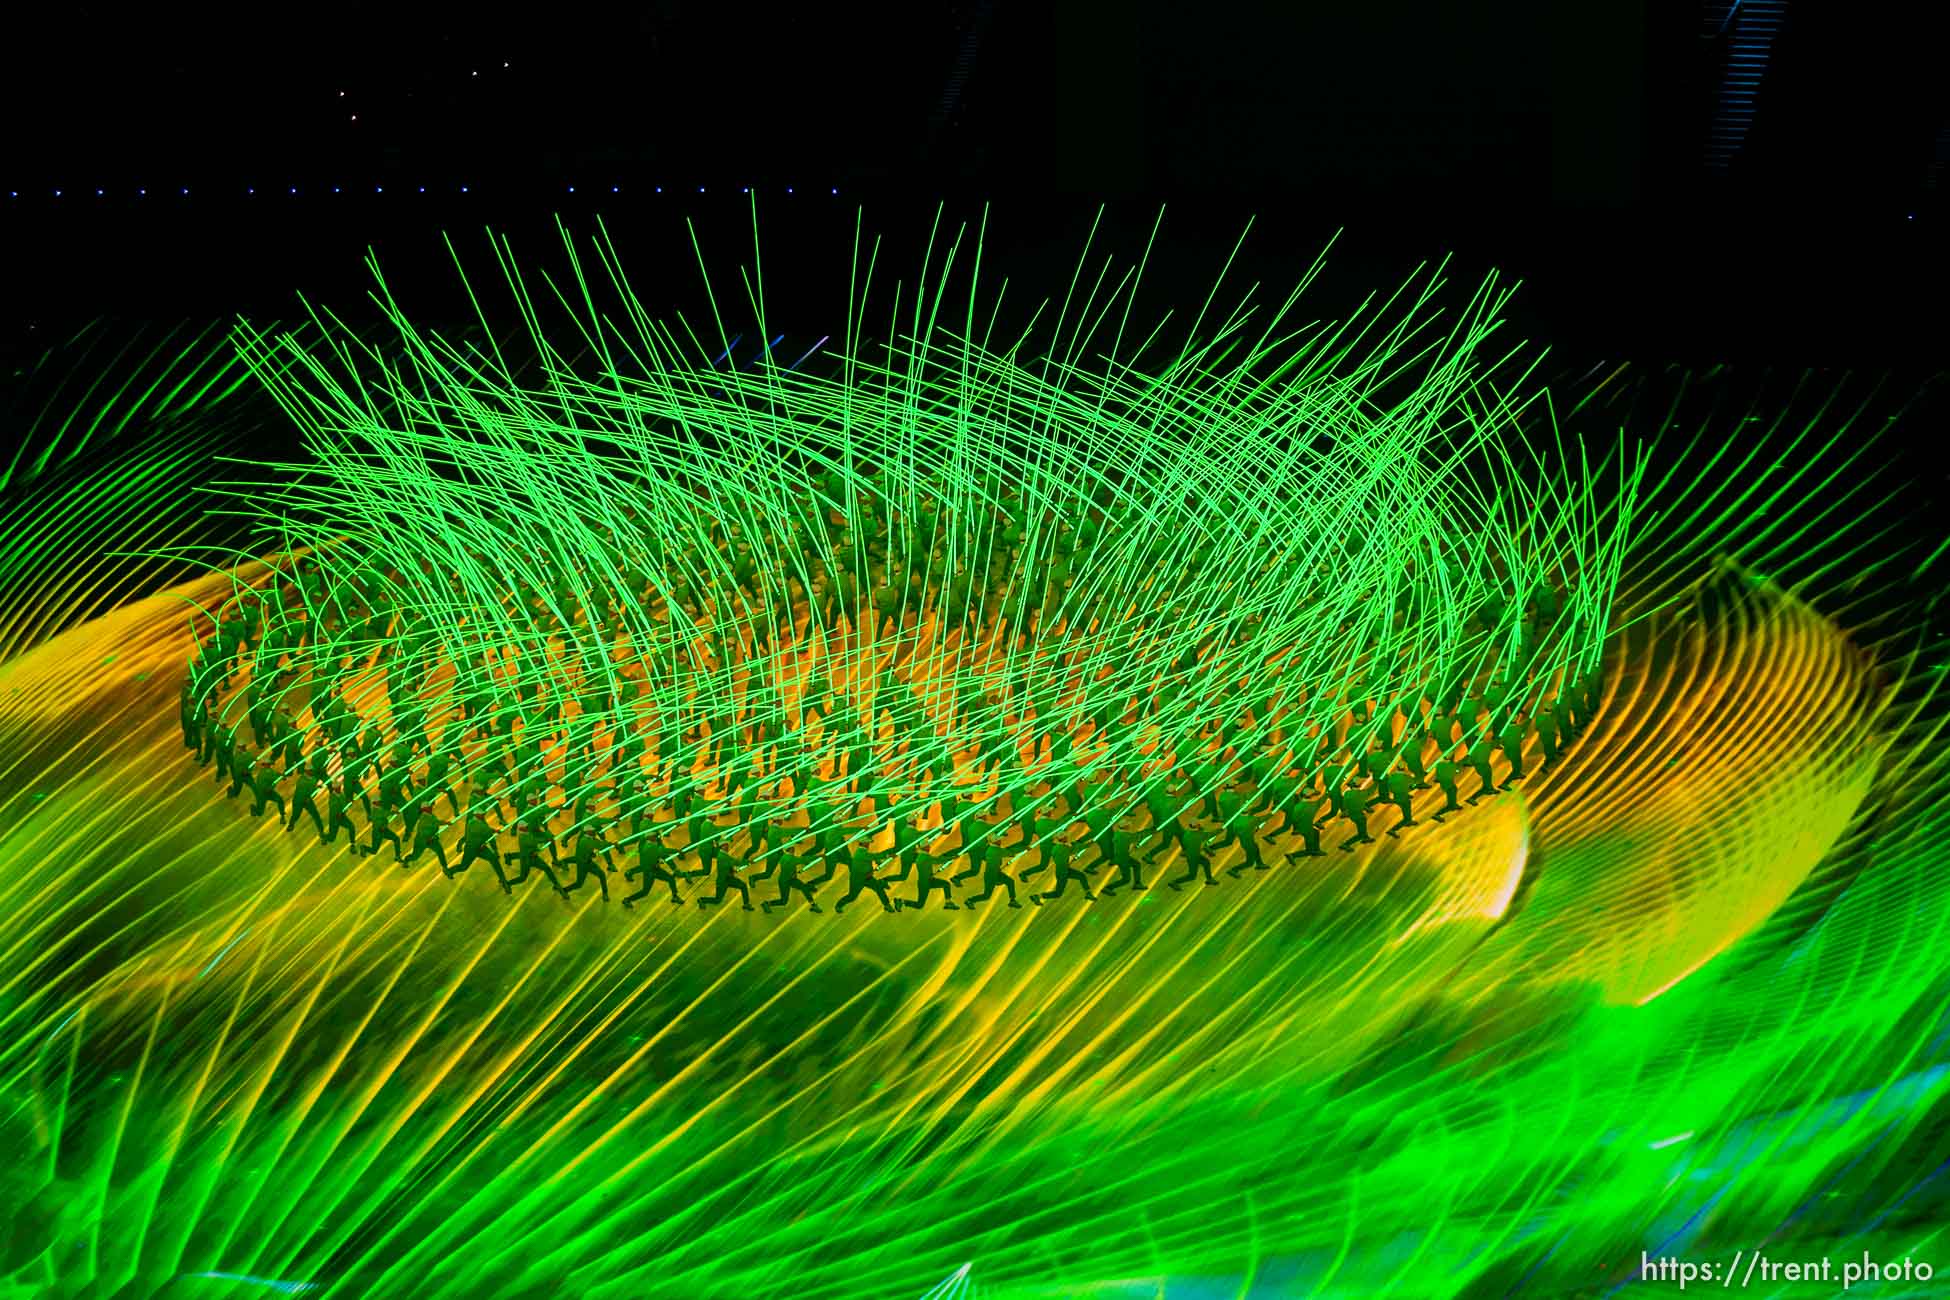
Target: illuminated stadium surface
{"points": [[607, 605]]}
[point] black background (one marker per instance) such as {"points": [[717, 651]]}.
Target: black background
{"points": [[1562, 144]]}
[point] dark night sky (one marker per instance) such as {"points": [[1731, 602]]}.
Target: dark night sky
{"points": [[1562, 143], [1523, 99]]}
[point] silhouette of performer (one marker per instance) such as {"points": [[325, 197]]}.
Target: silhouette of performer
{"points": [[1354, 807], [790, 868], [986, 860], [1191, 843], [653, 858], [859, 865]]}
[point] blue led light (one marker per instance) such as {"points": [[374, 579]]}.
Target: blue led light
{"points": [[463, 189], [250, 189], [788, 189], [836, 189], [379, 189], [423, 189], [572, 189], [98, 193], [700, 189], [57, 194], [748, 189], [660, 189], [186, 191], [294, 189], [335, 189], [142, 193], [616, 189], [767, 349]]}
